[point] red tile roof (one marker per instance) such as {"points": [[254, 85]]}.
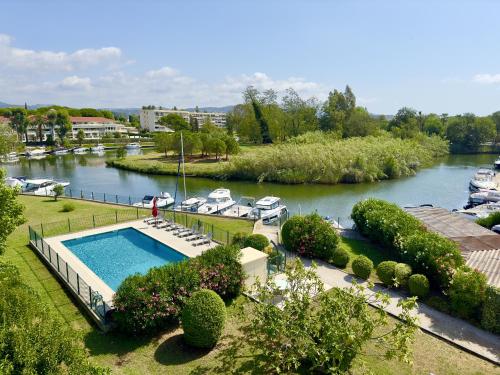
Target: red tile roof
{"points": [[100, 120]]}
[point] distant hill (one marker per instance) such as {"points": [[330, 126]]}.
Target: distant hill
{"points": [[34, 106]]}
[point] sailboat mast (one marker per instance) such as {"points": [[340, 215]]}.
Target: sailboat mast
{"points": [[183, 169]]}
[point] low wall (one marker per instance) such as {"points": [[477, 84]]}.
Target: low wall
{"points": [[254, 264]]}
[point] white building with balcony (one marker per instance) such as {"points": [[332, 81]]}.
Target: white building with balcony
{"points": [[150, 117]]}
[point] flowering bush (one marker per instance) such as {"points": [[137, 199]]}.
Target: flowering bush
{"points": [[310, 236], [149, 303]]}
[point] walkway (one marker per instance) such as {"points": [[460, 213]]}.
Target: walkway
{"points": [[456, 331]]}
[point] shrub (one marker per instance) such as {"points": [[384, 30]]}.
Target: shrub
{"points": [[385, 272], [257, 241], [490, 220], [340, 258], [405, 236], [68, 207], [310, 236], [439, 303], [467, 292], [203, 319], [491, 310], [402, 273], [362, 267], [418, 285], [239, 239]]}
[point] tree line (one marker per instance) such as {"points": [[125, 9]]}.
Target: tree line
{"points": [[262, 118]]}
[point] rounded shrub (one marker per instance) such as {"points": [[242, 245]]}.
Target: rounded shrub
{"points": [[68, 207], [402, 273], [239, 239], [385, 272], [362, 267], [257, 241], [418, 285], [467, 292], [203, 319], [340, 258]]}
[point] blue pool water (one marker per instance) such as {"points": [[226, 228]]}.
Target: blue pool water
{"points": [[115, 255]]}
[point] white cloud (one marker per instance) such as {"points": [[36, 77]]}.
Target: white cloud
{"points": [[75, 83], [166, 71], [24, 59], [487, 78]]}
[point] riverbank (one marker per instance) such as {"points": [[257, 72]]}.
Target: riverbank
{"points": [[328, 161]]}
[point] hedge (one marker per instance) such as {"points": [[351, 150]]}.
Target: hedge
{"points": [[151, 302], [405, 236], [490, 220], [310, 236], [467, 292], [203, 319], [491, 310], [362, 267]]}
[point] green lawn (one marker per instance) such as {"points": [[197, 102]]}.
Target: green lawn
{"points": [[166, 353]]}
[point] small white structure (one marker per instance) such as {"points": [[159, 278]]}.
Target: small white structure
{"points": [[254, 263]]}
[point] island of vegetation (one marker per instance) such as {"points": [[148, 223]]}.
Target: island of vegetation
{"points": [[294, 140]]}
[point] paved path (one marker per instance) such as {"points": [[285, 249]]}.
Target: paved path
{"points": [[456, 331]]}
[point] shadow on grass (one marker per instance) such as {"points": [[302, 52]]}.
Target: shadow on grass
{"points": [[368, 249], [175, 351]]}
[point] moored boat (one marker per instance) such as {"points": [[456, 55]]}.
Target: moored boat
{"points": [[218, 201], [36, 153], [496, 164], [80, 150], [42, 186], [132, 146], [61, 151], [269, 209], [97, 148], [191, 204], [11, 157], [482, 197], [162, 200]]}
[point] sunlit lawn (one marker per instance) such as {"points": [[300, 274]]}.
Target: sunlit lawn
{"points": [[166, 353]]}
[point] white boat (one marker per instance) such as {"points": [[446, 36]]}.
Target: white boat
{"points": [[98, 148], [11, 157], [42, 186], [269, 209], [482, 197], [191, 204], [479, 183], [218, 201], [61, 151], [35, 152], [132, 146], [80, 150], [19, 181], [163, 200], [496, 164]]}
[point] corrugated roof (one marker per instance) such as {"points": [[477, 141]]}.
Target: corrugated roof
{"points": [[480, 247]]}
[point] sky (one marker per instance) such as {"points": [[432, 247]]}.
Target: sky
{"points": [[435, 56]]}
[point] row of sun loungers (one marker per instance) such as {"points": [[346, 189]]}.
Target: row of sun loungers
{"points": [[194, 235]]}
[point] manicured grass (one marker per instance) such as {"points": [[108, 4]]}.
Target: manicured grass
{"points": [[167, 353]]}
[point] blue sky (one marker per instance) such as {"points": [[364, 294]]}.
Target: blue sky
{"points": [[436, 56]]}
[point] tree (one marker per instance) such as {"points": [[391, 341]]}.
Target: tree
{"points": [[8, 140], [58, 191], [325, 333], [11, 211], [163, 142], [359, 124], [80, 136], [37, 122], [232, 146], [434, 125], [121, 152], [337, 110], [217, 146], [251, 96], [299, 114], [468, 132], [174, 121], [19, 121], [193, 122], [63, 123], [51, 121]]}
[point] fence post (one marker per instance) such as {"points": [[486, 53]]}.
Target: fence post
{"points": [[69, 226], [41, 226], [42, 246], [70, 194], [50, 255], [104, 197], [93, 220], [57, 259], [78, 284], [81, 194], [116, 215], [116, 196], [137, 211], [92, 195], [90, 296], [129, 201], [212, 229], [67, 272]]}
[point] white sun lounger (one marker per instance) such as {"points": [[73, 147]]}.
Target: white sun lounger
{"points": [[204, 241]]}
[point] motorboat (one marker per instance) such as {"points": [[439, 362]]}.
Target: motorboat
{"points": [[11, 157], [482, 197], [97, 148], [496, 164], [16, 182], [42, 186], [36, 153], [269, 209], [61, 151], [191, 204], [132, 146], [479, 183], [485, 172], [80, 150], [218, 201], [481, 211], [163, 200]]}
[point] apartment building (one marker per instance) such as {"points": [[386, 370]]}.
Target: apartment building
{"points": [[150, 117]]}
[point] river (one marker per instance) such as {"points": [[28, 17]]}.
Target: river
{"points": [[445, 184]]}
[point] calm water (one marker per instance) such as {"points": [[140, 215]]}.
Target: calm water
{"points": [[115, 255], [445, 184]]}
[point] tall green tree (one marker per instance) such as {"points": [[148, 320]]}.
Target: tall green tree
{"points": [[174, 121], [163, 142], [337, 110], [11, 211], [80, 136], [63, 124], [360, 124], [467, 132], [8, 140], [19, 121], [434, 125], [251, 96]]}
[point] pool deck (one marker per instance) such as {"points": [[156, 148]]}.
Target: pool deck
{"points": [[161, 235]]}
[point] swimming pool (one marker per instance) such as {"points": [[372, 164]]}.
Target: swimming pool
{"points": [[113, 256]]}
